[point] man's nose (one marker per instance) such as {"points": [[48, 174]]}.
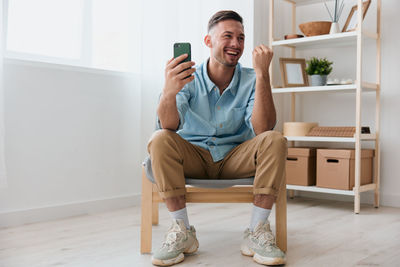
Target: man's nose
{"points": [[235, 43]]}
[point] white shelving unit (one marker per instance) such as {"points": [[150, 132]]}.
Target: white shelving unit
{"points": [[355, 38]]}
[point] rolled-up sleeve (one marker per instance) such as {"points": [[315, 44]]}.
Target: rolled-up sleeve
{"points": [[182, 104]]}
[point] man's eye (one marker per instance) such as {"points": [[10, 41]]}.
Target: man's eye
{"points": [[227, 36]]}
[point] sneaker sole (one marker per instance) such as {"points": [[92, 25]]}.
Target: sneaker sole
{"points": [[246, 251], [177, 259], [168, 262]]}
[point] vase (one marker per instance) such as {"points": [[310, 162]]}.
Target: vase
{"points": [[318, 80], [334, 28]]}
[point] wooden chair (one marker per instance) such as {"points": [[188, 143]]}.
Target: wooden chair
{"points": [[205, 191]]}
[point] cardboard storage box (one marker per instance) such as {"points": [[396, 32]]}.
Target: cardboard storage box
{"points": [[300, 166], [336, 168]]}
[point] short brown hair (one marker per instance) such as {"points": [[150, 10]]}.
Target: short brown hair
{"points": [[223, 15]]}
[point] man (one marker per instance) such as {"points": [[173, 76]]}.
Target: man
{"points": [[216, 123]]}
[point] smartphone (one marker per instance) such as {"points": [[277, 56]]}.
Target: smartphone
{"points": [[182, 48]]}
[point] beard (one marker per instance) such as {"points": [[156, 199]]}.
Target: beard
{"points": [[226, 59]]}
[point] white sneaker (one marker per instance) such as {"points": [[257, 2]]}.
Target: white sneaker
{"points": [[260, 244], [178, 240]]}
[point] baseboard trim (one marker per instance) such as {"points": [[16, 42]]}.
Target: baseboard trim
{"points": [[21, 217], [390, 200]]}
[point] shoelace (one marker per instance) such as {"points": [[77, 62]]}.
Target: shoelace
{"points": [[172, 238], [264, 236]]}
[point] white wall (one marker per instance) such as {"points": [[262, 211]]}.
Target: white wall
{"points": [[75, 137], [72, 141]]}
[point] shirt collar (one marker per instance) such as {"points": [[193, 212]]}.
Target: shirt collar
{"points": [[233, 85]]}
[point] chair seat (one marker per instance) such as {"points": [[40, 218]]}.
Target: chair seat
{"points": [[204, 183]]}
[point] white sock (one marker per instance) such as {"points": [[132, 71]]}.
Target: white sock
{"points": [[182, 215], [258, 215]]}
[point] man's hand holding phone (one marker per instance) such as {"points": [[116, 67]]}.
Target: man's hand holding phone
{"points": [[177, 75]]}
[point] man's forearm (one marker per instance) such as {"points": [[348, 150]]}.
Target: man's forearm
{"points": [[168, 113], [264, 114]]}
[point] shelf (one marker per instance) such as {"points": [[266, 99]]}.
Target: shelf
{"points": [[313, 188], [350, 42], [364, 137], [367, 87], [306, 2], [331, 40]]}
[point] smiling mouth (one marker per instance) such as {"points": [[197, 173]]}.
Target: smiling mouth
{"points": [[232, 52]]}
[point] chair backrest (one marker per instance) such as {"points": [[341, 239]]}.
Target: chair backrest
{"points": [[204, 183]]}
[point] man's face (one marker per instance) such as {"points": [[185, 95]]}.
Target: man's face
{"points": [[226, 41]]}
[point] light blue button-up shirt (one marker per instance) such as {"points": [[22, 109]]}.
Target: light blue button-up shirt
{"points": [[213, 121]]}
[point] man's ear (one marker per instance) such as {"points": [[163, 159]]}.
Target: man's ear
{"points": [[207, 41]]}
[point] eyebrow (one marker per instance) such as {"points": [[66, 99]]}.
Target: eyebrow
{"points": [[242, 34]]}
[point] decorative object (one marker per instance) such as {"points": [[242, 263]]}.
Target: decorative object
{"points": [[337, 131], [293, 36], [298, 128], [336, 81], [335, 16], [318, 69], [334, 28], [314, 28], [293, 72], [318, 80], [351, 22]]}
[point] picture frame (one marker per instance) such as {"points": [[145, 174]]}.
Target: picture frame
{"points": [[351, 21], [293, 72]]}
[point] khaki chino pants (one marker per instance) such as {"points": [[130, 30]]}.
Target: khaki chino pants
{"points": [[173, 158]]}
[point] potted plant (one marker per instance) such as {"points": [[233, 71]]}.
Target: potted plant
{"points": [[318, 69]]}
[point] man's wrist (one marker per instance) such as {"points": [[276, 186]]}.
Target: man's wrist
{"points": [[262, 75], [169, 97]]}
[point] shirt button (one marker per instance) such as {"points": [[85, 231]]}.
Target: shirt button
{"points": [[220, 126]]}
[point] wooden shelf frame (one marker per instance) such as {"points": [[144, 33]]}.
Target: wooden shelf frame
{"points": [[355, 38]]}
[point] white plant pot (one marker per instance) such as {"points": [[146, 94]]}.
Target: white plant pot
{"points": [[334, 28]]}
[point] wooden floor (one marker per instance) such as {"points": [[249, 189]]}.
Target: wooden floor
{"points": [[320, 233]]}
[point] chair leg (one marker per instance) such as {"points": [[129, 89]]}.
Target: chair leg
{"points": [[154, 216], [146, 221], [281, 220]]}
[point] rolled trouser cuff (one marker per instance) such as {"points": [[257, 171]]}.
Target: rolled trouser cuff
{"points": [[265, 191], [172, 193]]}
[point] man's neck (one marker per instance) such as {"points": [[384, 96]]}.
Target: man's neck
{"points": [[219, 74]]}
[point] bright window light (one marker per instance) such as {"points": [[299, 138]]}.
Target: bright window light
{"points": [[99, 34], [50, 28]]}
